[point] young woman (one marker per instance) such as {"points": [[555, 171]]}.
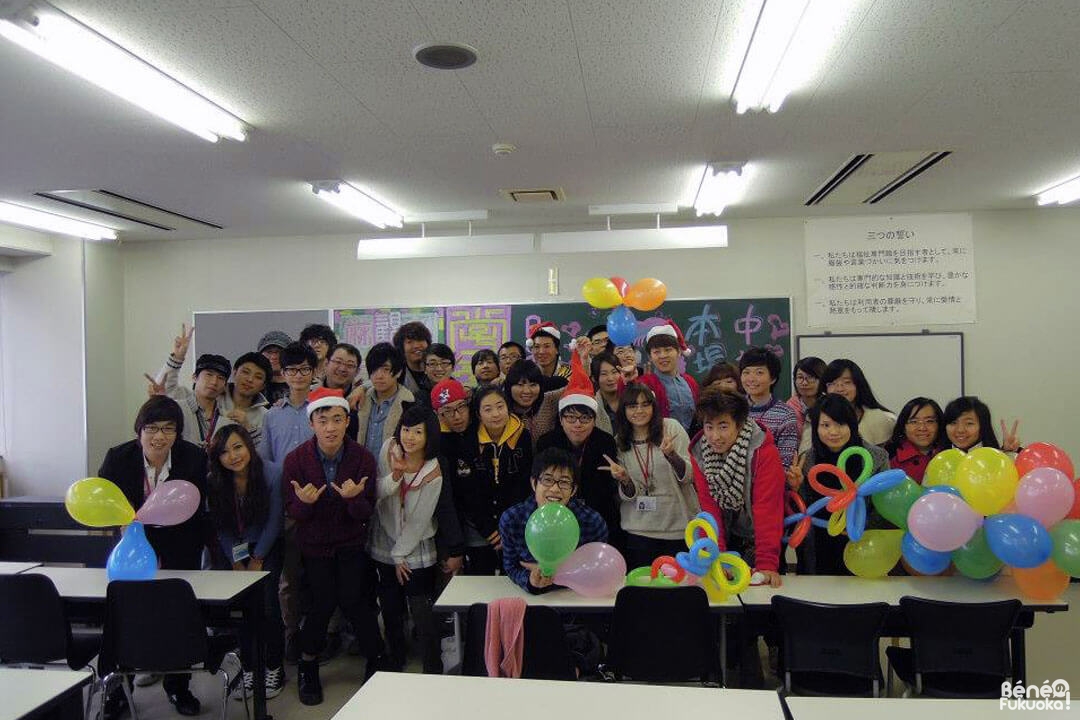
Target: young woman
{"points": [[723, 376], [244, 498], [485, 367], [806, 379], [402, 540], [918, 436], [537, 409], [606, 378], [834, 427], [655, 477], [846, 379], [439, 362], [968, 426]]}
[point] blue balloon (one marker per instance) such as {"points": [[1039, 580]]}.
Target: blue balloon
{"points": [[133, 557], [622, 326], [856, 519], [941, 488], [922, 559], [1018, 540], [884, 480]]}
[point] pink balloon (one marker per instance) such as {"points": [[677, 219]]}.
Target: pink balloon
{"points": [[594, 570], [942, 521], [171, 503], [1045, 494]]}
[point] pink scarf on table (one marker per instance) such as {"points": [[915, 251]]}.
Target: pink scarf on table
{"points": [[504, 638]]}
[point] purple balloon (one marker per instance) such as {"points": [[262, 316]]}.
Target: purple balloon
{"points": [[1045, 494], [942, 521], [171, 503], [594, 570]]}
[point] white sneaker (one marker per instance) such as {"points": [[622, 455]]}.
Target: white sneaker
{"points": [[146, 679], [275, 681]]}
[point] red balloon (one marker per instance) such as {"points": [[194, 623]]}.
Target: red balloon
{"points": [[1041, 454], [1074, 514], [620, 284]]}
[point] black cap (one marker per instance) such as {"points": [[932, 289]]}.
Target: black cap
{"points": [[217, 363]]}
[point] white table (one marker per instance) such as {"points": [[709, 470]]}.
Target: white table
{"points": [[14, 568], [453, 697], [820, 708], [26, 694]]}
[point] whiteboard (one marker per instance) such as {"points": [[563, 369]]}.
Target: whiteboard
{"points": [[899, 366]]}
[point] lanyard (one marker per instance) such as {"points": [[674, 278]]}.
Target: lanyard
{"points": [[644, 465], [239, 516], [210, 425], [406, 487]]}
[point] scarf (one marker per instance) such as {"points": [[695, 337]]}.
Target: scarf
{"points": [[726, 474]]}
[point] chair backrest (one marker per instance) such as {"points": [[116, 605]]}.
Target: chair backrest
{"points": [[960, 637], [827, 638], [152, 625], [41, 530], [545, 653], [33, 625], [662, 635]]}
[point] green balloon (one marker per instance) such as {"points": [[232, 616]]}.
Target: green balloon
{"points": [[894, 503], [1066, 555], [975, 559], [551, 534]]}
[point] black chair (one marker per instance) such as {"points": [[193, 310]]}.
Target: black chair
{"points": [[958, 650], [34, 627], [156, 626], [545, 655], [830, 649], [662, 635]]}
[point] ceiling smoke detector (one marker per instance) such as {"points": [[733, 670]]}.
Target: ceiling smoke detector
{"points": [[503, 149], [445, 56]]}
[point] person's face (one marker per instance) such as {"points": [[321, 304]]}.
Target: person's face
{"points": [[298, 376], [209, 384], [507, 357], [664, 359], [639, 411], [922, 427], [843, 386], [383, 379], [437, 368], [577, 425], [806, 385], [544, 351], [833, 434], [964, 431], [414, 352], [250, 379], [455, 415], [273, 354], [756, 381], [524, 394], [625, 353], [341, 370], [414, 438], [598, 343], [720, 432], [555, 484], [329, 425], [486, 369], [608, 378], [157, 438], [493, 412], [234, 456], [320, 347], [725, 384]]}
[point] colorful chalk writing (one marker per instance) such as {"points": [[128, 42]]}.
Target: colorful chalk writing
{"points": [[474, 327], [365, 327], [748, 325], [703, 332]]}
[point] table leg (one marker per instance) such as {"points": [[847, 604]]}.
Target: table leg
{"points": [[458, 644], [253, 618], [723, 651], [1019, 656]]}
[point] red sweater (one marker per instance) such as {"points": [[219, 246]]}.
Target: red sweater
{"points": [[657, 387], [766, 499], [331, 521]]}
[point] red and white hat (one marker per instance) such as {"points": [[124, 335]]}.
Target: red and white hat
{"points": [[670, 328], [324, 397], [445, 392], [579, 390], [545, 328]]}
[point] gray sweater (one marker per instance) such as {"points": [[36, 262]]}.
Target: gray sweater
{"points": [[674, 495]]}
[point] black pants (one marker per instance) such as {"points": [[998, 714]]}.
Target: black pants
{"points": [[347, 581], [418, 594], [482, 560], [641, 550], [273, 628]]}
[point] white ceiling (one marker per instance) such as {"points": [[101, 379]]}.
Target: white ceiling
{"points": [[615, 102]]}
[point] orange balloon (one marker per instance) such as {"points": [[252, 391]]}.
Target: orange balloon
{"points": [[645, 294], [1045, 582]]}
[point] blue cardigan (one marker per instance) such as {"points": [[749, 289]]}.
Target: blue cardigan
{"points": [[265, 534]]}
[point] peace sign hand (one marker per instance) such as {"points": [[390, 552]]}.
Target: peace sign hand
{"points": [[397, 460], [667, 445], [349, 489], [181, 342], [307, 494], [617, 471], [794, 474], [154, 387], [1009, 441]]}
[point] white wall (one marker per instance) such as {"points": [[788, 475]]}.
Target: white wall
{"points": [[108, 421]]}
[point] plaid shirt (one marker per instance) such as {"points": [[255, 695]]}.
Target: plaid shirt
{"points": [[512, 530]]}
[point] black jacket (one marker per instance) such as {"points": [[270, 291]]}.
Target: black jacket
{"points": [[596, 487], [479, 495]]}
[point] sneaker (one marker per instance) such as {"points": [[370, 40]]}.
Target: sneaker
{"points": [[184, 702], [247, 685], [275, 681], [308, 684], [146, 679]]}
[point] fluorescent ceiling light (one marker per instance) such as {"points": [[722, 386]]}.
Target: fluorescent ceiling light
{"points": [[41, 220], [445, 246], [678, 238], [635, 209], [1062, 194], [721, 185], [358, 203], [76, 48], [447, 216]]}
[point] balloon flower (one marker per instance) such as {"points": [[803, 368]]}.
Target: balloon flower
{"points": [[848, 504]]}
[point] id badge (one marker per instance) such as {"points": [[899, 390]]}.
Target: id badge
{"points": [[240, 552], [646, 504]]}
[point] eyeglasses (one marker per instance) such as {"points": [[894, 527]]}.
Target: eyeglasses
{"points": [[805, 379], [455, 411], [317, 341], [438, 364], [922, 422], [166, 430], [578, 419], [294, 371], [549, 481], [344, 364], [509, 357]]}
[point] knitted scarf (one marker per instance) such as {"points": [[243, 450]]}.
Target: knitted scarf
{"points": [[726, 474]]}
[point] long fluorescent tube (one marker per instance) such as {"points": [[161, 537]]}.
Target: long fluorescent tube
{"points": [[358, 203], [444, 246], [449, 216], [676, 238], [40, 220], [635, 209], [1062, 194], [69, 44], [721, 185]]}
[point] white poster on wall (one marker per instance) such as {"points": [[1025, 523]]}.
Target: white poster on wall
{"points": [[900, 270]]}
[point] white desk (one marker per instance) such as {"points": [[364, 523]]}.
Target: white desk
{"points": [[30, 693], [820, 708], [451, 697], [14, 568]]}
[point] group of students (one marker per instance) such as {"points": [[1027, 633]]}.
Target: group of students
{"points": [[362, 496]]}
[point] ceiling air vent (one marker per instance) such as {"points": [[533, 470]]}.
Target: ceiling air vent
{"points": [[534, 195], [140, 214], [869, 178]]}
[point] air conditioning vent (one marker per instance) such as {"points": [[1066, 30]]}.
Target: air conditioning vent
{"points": [[534, 195], [120, 207], [869, 178]]}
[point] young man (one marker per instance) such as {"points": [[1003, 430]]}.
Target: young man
{"points": [[244, 403], [675, 392], [759, 370], [378, 413], [270, 346], [553, 479], [329, 490], [341, 371], [201, 404], [599, 341], [322, 340], [451, 405], [544, 342], [412, 340], [509, 353]]}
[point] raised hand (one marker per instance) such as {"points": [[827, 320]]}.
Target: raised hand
{"points": [[1009, 441], [356, 397], [667, 445], [617, 471], [350, 489], [154, 387], [307, 494], [182, 341], [794, 474], [397, 460]]}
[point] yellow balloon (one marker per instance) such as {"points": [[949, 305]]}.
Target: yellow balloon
{"points": [[875, 554], [601, 293], [987, 480], [838, 522], [698, 524], [714, 592], [96, 502], [740, 573], [941, 470]]}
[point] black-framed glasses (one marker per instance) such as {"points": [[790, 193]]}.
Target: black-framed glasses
{"points": [[549, 481], [294, 371], [438, 364], [166, 430], [455, 411], [578, 419]]}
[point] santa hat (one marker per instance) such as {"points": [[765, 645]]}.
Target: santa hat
{"points": [[579, 390], [445, 392], [324, 397], [545, 328], [670, 328]]}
